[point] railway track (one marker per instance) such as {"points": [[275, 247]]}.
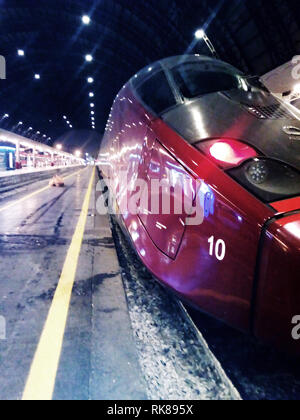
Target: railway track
{"points": [[257, 370]]}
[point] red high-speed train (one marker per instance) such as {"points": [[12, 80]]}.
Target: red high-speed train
{"points": [[202, 124]]}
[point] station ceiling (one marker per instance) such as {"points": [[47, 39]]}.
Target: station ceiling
{"points": [[123, 36]]}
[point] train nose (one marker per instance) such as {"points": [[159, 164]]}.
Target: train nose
{"points": [[277, 302]]}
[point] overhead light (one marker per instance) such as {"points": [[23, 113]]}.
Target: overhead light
{"points": [[30, 129], [38, 132], [20, 123], [93, 118], [91, 94], [78, 153], [92, 105], [21, 53], [89, 58], [68, 122], [64, 117], [86, 20], [37, 76], [44, 135], [92, 112], [200, 34], [59, 147], [6, 116], [90, 80], [71, 126]]}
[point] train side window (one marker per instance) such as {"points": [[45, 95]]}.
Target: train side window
{"points": [[156, 93]]}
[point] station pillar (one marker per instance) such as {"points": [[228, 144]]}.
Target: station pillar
{"points": [[34, 157], [18, 160]]}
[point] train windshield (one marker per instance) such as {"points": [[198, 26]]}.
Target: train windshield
{"points": [[194, 80], [296, 103]]}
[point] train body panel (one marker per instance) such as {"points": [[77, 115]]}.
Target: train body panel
{"points": [[278, 293]]}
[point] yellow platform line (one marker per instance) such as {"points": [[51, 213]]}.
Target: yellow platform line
{"points": [[41, 380], [8, 206]]}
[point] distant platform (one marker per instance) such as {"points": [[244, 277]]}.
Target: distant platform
{"points": [[32, 170]]}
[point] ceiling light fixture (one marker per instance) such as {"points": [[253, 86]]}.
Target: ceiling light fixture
{"points": [[200, 34], [89, 58], [86, 20]]}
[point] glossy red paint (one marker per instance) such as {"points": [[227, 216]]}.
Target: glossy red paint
{"points": [[278, 296], [286, 206], [182, 256]]}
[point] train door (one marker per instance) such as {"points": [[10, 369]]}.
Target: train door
{"points": [[170, 192]]}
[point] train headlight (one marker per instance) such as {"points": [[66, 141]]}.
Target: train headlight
{"points": [[227, 153], [268, 179], [257, 172]]}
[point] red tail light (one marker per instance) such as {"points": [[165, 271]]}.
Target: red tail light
{"points": [[227, 153]]}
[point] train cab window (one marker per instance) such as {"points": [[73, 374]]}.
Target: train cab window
{"points": [[156, 93], [196, 80]]}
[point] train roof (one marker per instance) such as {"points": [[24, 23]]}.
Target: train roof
{"points": [[171, 62]]}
